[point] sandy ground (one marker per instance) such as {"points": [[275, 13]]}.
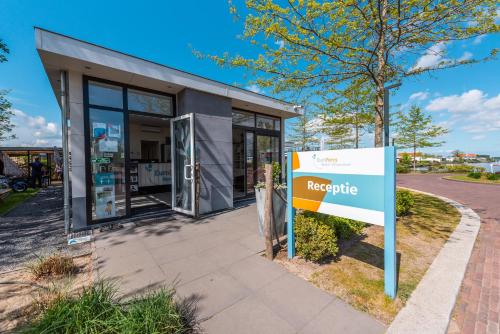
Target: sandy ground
{"points": [[20, 292]]}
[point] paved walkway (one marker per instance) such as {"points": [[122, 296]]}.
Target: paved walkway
{"points": [[34, 228], [216, 263], [478, 305]]}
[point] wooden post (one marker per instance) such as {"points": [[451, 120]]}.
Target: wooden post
{"points": [[268, 211]]}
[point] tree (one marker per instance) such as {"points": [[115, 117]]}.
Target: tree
{"points": [[457, 155], [415, 130], [5, 106], [353, 107], [339, 134], [322, 46], [304, 131]]}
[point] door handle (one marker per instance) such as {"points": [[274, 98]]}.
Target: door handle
{"points": [[191, 172]]}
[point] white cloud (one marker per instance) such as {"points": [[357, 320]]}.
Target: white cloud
{"points": [[34, 131], [466, 56], [254, 88], [474, 110], [478, 40], [419, 96], [280, 43], [433, 57], [478, 137]]}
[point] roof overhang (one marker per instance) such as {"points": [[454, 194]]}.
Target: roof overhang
{"points": [[59, 52]]}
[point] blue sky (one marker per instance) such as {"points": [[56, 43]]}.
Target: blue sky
{"points": [[465, 99]]}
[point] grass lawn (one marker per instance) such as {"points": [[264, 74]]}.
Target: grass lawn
{"points": [[465, 178], [14, 199], [357, 276]]}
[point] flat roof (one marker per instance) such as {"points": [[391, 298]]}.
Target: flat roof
{"points": [[29, 148], [59, 52]]}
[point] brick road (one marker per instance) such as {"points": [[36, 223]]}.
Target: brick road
{"points": [[478, 305]]}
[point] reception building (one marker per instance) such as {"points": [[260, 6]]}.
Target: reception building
{"points": [[143, 137]]}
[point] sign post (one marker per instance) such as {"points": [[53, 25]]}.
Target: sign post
{"points": [[358, 184], [290, 208]]}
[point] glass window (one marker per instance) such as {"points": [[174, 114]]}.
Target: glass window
{"points": [[149, 102], [238, 162], [267, 153], [249, 167], [277, 124], [107, 154], [105, 95], [268, 123], [244, 118]]}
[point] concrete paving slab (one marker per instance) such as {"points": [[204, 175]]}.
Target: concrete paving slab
{"points": [[339, 317], [248, 316], [187, 269], [255, 272], [294, 299], [120, 265], [213, 292], [140, 281], [226, 254], [253, 242], [217, 266]]}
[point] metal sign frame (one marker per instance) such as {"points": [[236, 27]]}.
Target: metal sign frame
{"points": [[389, 195]]}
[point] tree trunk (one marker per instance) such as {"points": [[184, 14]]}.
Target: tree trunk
{"points": [[268, 212], [379, 115], [357, 136], [414, 159]]}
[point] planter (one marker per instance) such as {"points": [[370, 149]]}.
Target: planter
{"points": [[279, 210]]}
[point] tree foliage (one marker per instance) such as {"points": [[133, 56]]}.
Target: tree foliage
{"points": [[323, 46], [5, 114], [4, 51], [351, 112], [5, 106], [415, 130], [304, 131]]}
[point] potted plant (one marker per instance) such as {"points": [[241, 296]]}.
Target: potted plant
{"points": [[279, 203]]}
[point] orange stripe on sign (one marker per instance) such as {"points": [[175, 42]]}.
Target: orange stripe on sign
{"points": [[295, 161], [306, 204]]}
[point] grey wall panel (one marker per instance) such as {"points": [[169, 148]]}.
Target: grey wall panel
{"points": [[214, 150], [214, 128], [216, 175], [214, 153], [79, 213], [215, 199]]}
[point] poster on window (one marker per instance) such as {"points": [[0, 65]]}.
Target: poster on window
{"points": [[114, 131], [105, 206], [99, 130], [108, 145]]}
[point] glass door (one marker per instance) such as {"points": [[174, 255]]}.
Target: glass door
{"points": [[183, 186]]}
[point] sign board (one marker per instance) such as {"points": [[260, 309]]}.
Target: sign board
{"points": [[154, 174], [79, 240], [358, 184]]}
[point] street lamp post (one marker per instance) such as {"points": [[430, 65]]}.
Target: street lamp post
{"points": [[386, 112]]}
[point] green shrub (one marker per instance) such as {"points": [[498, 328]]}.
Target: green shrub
{"points": [[96, 310], [402, 169], [404, 202], [344, 228], [463, 169], [474, 175], [314, 240], [493, 176]]}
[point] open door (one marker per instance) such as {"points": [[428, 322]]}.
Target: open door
{"points": [[183, 187]]}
